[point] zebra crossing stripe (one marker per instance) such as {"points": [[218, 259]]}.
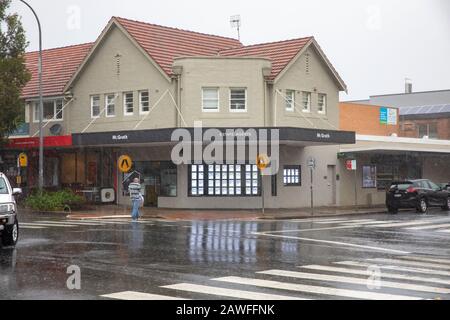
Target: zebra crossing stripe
{"points": [[66, 223], [425, 259], [231, 293], [368, 223], [30, 227], [445, 231], [131, 295], [356, 294], [352, 280], [407, 224], [46, 225], [383, 275], [396, 268], [435, 226], [413, 263], [345, 221]]}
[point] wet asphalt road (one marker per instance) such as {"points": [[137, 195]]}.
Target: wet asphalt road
{"points": [[404, 256]]}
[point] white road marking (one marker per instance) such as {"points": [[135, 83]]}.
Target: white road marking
{"points": [[426, 259], [304, 230], [406, 224], [445, 231], [396, 268], [47, 225], [332, 242], [434, 226], [353, 280], [29, 227], [383, 275], [315, 289], [131, 295], [370, 222], [412, 263], [65, 223], [345, 221], [223, 292]]}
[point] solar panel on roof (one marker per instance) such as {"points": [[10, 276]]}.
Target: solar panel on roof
{"points": [[432, 109]]}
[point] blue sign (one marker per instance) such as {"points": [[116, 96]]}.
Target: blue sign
{"points": [[384, 115]]}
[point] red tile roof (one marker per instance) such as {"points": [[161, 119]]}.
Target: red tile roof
{"points": [[280, 53], [164, 44], [58, 66]]}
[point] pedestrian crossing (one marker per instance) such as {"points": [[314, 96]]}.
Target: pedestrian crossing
{"points": [[435, 224], [71, 224], [408, 277]]}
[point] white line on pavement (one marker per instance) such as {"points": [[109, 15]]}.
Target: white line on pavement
{"points": [[412, 263], [131, 295], [223, 292], [396, 268], [30, 227], [406, 224], [346, 221], [332, 242], [426, 259], [47, 225], [435, 226], [368, 273], [353, 280], [357, 294]]}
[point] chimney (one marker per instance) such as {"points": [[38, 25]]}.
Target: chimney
{"points": [[408, 86]]}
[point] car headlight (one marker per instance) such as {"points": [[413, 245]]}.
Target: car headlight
{"points": [[7, 208]]}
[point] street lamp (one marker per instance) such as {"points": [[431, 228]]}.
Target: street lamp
{"points": [[41, 103]]}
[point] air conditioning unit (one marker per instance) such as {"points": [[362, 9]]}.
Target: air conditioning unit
{"points": [[108, 195]]}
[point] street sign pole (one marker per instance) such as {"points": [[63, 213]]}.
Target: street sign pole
{"points": [[312, 190], [356, 189], [312, 167], [262, 193]]}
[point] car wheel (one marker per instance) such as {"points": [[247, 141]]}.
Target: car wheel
{"points": [[423, 206], [446, 207], [11, 235], [392, 210]]}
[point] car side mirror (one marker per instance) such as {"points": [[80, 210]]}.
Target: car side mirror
{"points": [[17, 191]]}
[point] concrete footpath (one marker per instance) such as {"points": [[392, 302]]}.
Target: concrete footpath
{"points": [[113, 212]]}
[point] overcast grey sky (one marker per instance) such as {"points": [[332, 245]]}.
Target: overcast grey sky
{"points": [[374, 44]]}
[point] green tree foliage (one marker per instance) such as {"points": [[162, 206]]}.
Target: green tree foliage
{"points": [[13, 72]]}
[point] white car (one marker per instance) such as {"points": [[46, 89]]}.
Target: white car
{"points": [[9, 224]]}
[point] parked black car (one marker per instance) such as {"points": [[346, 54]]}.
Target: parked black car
{"points": [[418, 194]]}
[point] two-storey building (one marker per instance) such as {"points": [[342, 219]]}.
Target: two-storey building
{"points": [[129, 91]]}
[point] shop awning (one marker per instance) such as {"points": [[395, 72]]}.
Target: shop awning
{"points": [[33, 142], [396, 145], [287, 135]]}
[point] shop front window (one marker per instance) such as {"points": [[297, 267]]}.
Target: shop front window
{"points": [[224, 180]]}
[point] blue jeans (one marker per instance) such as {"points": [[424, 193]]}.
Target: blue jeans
{"points": [[135, 211]]}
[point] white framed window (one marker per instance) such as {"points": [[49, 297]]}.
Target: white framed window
{"points": [[238, 100], [95, 106], [52, 111], [128, 103], [306, 102], [290, 100], [210, 99], [322, 103], [110, 103], [144, 102]]}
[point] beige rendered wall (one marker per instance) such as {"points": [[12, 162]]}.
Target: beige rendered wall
{"points": [[136, 73], [223, 73], [318, 80]]}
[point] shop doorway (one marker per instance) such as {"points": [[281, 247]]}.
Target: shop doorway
{"points": [[159, 179], [332, 188]]}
